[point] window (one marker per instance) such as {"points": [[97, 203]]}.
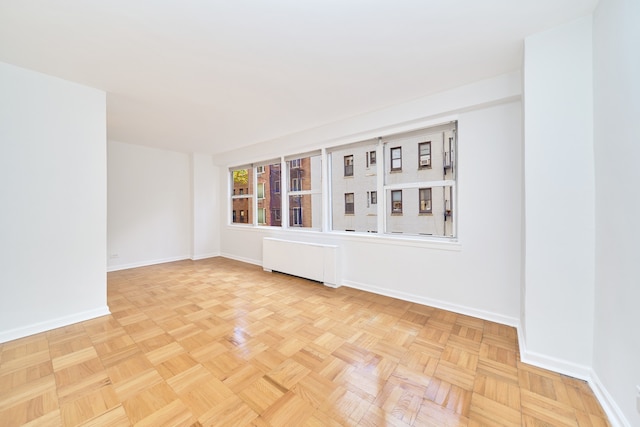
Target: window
{"points": [[342, 159], [415, 201], [371, 158], [448, 201], [396, 159], [424, 158], [448, 152], [348, 165], [425, 200], [296, 217], [267, 197], [428, 193], [396, 201], [242, 200], [305, 191], [295, 184], [348, 204]]}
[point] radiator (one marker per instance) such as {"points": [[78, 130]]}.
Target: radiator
{"points": [[309, 260]]}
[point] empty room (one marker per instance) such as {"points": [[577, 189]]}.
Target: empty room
{"points": [[350, 213]]}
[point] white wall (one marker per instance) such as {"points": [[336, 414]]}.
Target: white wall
{"points": [[53, 192], [149, 206], [480, 275], [206, 212], [617, 150], [559, 189]]}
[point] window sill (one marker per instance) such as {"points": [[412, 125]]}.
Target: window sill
{"points": [[334, 237]]}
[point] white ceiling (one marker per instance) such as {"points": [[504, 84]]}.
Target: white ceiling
{"points": [[212, 75]]}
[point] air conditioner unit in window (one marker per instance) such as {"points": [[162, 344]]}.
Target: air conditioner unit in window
{"points": [[425, 162]]}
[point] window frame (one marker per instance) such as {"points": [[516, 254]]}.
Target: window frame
{"points": [[405, 202], [349, 204], [394, 210], [420, 155], [428, 210], [297, 218], [392, 160], [264, 216], [348, 165], [296, 184]]}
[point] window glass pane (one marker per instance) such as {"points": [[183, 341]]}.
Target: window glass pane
{"points": [[428, 189], [242, 199], [422, 215], [362, 217], [305, 192], [305, 174], [306, 211], [269, 198]]}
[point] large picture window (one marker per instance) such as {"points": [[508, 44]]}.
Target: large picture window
{"points": [[413, 201]]}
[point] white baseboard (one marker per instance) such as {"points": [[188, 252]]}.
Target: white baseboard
{"points": [[575, 370], [59, 322], [468, 311], [585, 373], [609, 405], [204, 256], [242, 259], [146, 263]]}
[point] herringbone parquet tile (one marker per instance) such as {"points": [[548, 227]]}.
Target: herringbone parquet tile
{"points": [[222, 343]]}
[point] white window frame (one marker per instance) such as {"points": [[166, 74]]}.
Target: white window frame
{"points": [[382, 168]]}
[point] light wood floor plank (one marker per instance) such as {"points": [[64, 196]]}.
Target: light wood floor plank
{"points": [[222, 343]]}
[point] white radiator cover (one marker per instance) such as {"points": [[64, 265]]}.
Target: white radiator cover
{"points": [[309, 260]]}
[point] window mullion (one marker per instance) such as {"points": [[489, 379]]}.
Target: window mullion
{"points": [[382, 201], [284, 190], [326, 191], [254, 196]]}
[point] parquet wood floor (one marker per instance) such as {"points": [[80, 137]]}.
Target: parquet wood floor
{"points": [[222, 343]]}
